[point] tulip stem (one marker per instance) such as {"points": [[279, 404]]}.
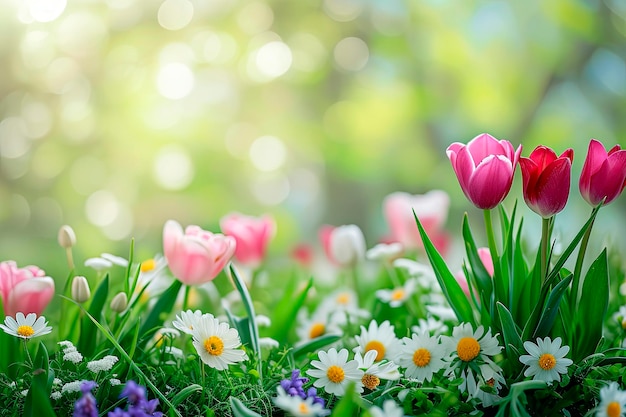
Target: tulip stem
{"points": [[545, 240], [579, 264], [186, 297], [490, 236]]}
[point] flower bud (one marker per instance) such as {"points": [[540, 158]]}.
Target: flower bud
{"points": [[66, 237], [119, 302], [80, 289]]}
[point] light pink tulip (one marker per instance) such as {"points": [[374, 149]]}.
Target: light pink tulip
{"points": [[485, 257], [484, 168], [25, 290], [324, 235], [252, 235], [432, 211], [195, 256], [603, 174]]}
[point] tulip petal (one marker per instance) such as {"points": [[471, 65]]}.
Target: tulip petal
{"points": [[30, 296], [551, 191], [484, 145], [608, 181], [172, 234], [491, 181], [596, 155]]}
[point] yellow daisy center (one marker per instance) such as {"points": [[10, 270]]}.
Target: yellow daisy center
{"points": [[370, 381], [303, 408], [624, 324], [421, 357], [214, 345], [547, 361], [25, 331], [335, 374], [397, 294], [147, 266], [613, 409], [317, 329], [378, 347], [467, 349], [343, 298]]}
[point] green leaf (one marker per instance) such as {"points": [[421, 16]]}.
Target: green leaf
{"points": [[286, 311], [37, 402], [349, 404], [184, 393], [449, 286], [160, 311], [314, 345], [484, 283], [549, 313], [592, 307], [240, 410], [510, 331], [88, 333]]}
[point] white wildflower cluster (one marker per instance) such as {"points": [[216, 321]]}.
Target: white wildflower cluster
{"points": [[104, 364], [70, 354]]}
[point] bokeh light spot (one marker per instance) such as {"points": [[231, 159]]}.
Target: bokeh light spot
{"points": [[351, 54], [268, 153], [46, 10], [175, 81], [175, 14], [273, 59], [102, 208], [173, 168]]}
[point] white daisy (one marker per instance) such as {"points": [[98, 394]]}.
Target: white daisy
{"points": [[381, 338], [343, 303], [375, 371], [385, 252], [422, 356], [186, 321], [431, 326], [319, 324], [612, 401], [397, 296], [25, 327], [390, 409], [334, 372], [620, 316], [424, 273], [546, 359], [471, 349], [152, 280], [298, 407], [484, 387], [217, 343]]}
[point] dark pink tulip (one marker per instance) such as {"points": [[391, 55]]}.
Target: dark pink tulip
{"points": [[604, 173], [25, 290], [252, 235], [195, 256], [484, 168], [546, 180]]}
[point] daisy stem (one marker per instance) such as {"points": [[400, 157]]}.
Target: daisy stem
{"points": [[30, 360], [393, 275]]}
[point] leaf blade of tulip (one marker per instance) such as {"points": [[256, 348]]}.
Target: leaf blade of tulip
{"points": [[511, 335], [449, 286], [240, 410], [483, 280], [314, 345], [549, 312], [591, 309], [286, 310], [160, 311], [87, 342]]}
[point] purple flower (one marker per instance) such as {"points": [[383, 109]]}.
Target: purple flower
{"points": [[295, 387], [134, 392], [86, 405]]}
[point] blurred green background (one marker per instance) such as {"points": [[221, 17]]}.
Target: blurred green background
{"points": [[116, 115]]}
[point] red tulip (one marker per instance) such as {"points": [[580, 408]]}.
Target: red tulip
{"points": [[25, 290], [604, 174], [546, 180], [484, 168], [195, 256]]}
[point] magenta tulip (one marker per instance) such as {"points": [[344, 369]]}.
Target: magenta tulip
{"points": [[195, 256], [546, 180], [252, 235], [431, 210], [604, 174], [484, 168], [25, 290]]}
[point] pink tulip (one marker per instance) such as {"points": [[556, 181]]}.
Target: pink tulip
{"points": [[196, 256], [485, 257], [252, 235], [546, 180], [604, 174], [484, 168], [324, 235], [25, 290], [431, 210]]}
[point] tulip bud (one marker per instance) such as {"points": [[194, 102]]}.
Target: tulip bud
{"points": [[119, 302], [66, 237], [80, 289], [347, 245]]}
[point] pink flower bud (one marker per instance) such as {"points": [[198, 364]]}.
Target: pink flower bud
{"points": [[546, 180], [196, 256], [484, 168], [252, 235]]}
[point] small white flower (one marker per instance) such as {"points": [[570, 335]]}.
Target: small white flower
{"points": [[268, 343], [424, 273], [263, 321], [217, 343], [115, 382], [546, 359], [187, 321], [381, 338], [104, 364], [341, 304], [99, 264], [297, 407], [56, 381], [422, 356], [115, 260], [73, 356], [319, 324], [334, 372], [25, 327], [612, 401], [390, 409], [24, 393], [474, 385], [441, 312], [175, 352], [620, 316], [385, 252], [71, 387], [55, 395], [66, 344], [397, 296], [375, 371], [430, 326]]}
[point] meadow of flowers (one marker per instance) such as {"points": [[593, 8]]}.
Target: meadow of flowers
{"points": [[210, 327]]}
